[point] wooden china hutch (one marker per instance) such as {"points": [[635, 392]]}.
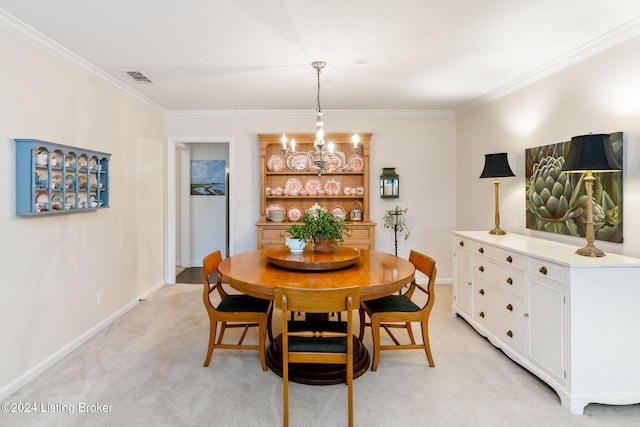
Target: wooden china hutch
{"points": [[290, 183]]}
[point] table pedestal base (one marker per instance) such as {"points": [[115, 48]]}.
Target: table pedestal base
{"points": [[318, 374]]}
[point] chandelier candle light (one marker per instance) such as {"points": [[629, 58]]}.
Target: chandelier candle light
{"points": [[322, 151]]}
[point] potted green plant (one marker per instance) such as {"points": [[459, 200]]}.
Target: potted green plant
{"points": [[319, 227], [298, 240], [394, 219]]}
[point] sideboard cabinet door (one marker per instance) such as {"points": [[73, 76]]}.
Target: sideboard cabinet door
{"points": [[462, 285], [546, 327]]}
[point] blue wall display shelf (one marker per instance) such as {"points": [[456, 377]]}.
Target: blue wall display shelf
{"points": [[54, 178]]}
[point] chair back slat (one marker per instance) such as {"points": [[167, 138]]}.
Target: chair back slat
{"points": [[209, 265], [427, 266], [317, 300]]}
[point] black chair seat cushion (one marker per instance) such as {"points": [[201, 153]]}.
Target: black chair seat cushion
{"points": [[317, 344], [243, 303], [392, 303]]}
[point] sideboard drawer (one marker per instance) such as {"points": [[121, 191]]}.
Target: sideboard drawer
{"points": [[357, 233], [483, 269], [547, 270], [511, 281], [462, 243], [275, 233], [502, 257]]}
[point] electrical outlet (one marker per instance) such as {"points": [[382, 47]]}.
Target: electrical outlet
{"points": [[99, 299]]}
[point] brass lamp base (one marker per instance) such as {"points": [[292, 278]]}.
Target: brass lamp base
{"points": [[498, 231], [590, 251]]}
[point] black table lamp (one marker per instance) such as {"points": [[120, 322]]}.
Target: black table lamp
{"points": [[588, 154], [496, 166]]}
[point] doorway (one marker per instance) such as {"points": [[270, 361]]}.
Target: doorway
{"points": [[198, 224]]}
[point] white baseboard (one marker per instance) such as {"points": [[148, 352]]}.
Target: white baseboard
{"points": [[34, 372]]}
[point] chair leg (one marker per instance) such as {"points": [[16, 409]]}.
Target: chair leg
{"points": [[213, 326], [361, 333], [427, 346], [285, 391], [350, 392], [375, 331], [269, 329], [262, 331]]}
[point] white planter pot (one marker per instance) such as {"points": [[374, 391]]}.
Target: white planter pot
{"points": [[296, 245]]}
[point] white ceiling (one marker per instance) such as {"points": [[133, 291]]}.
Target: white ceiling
{"points": [[380, 54]]}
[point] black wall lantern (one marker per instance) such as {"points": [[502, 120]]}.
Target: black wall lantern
{"points": [[389, 184]]}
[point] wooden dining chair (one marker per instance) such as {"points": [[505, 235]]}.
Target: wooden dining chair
{"points": [[399, 311], [233, 311], [319, 341]]}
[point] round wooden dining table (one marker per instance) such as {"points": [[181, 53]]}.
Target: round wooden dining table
{"points": [[256, 273]]}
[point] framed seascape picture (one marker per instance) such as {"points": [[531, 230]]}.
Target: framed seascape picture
{"points": [[208, 177], [556, 200]]}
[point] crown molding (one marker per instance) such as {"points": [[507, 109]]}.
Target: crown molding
{"points": [[608, 40], [44, 43], [308, 113]]}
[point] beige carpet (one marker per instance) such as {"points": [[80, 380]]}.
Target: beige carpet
{"points": [[147, 369]]}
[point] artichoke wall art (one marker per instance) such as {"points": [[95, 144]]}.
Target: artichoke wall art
{"points": [[556, 200]]}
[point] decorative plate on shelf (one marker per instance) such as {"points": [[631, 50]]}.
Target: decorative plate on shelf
{"points": [[93, 181], [293, 186], [337, 210], [275, 163], [356, 163], [82, 201], [336, 162], [294, 213], [93, 164], [82, 182], [312, 186], [42, 197], [298, 161], [272, 207], [332, 187]]}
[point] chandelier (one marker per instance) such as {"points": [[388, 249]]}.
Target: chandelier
{"points": [[323, 153]]}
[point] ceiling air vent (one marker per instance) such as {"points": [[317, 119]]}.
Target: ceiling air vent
{"points": [[139, 77]]}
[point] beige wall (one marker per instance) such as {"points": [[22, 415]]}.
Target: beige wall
{"points": [[599, 95], [52, 267], [421, 146]]}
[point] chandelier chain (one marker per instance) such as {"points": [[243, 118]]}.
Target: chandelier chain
{"points": [[318, 72], [322, 158]]}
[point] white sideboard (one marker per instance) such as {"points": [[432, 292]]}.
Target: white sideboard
{"points": [[569, 319]]}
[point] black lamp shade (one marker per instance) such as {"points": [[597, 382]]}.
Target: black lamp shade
{"points": [[496, 165], [591, 152]]}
